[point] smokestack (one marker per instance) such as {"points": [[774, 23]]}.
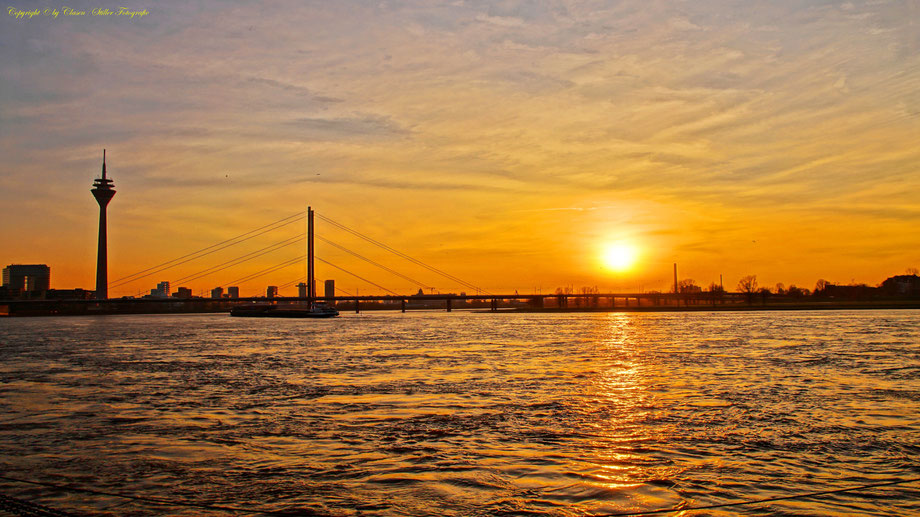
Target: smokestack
{"points": [[675, 278]]}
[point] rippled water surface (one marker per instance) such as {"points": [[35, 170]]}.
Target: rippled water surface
{"points": [[463, 413]]}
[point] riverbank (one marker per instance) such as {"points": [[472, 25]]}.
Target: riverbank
{"points": [[807, 306], [205, 305]]}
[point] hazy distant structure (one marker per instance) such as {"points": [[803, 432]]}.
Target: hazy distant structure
{"points": [[28, 278], [68, 294], [183, 292], [233, 292], [272, 291], [103, 190], [897, 286], [217, 292], [329, 289], [302, 290], [676, 290]]}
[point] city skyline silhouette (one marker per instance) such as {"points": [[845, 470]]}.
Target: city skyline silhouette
{"points": [[511, 144]]}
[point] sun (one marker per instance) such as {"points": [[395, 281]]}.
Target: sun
{"points": [[619, 257]]}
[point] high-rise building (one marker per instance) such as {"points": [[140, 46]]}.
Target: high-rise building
{"points": [[27, 277], [103, 190], [183, 292], [330, 289], [217, 292], [162, 290], [233, 292], [302, 290], [272, 291]]}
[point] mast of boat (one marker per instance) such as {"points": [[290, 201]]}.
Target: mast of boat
{"points": [[311, 284]]}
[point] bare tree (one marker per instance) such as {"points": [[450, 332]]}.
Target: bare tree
{"points": [[912, 271], [820, 285], [748, 286], [796, 292], [688, 286]]}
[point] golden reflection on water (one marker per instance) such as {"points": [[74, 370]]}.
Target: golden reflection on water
{"points": [[621, 392], [468, 414], [620, 379]]}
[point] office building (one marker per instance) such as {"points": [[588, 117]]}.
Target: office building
{"points": [[28, 278], [329, 289], [162, 290], [233, 292]]}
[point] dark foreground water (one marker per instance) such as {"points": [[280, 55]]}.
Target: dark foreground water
{"points": [[465, 414]]}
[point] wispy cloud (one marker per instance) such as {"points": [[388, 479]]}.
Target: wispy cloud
{"points": [[499, 109]]}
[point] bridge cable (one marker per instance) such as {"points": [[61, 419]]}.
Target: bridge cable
{"points": [[399, 253], [362, 257], [272, 269], [356, 276], [205, 251], [198, 255], [344, 291], [242, 258], [213, 246], [304, 279], [381, 266], [292, 282], [293, 261]]}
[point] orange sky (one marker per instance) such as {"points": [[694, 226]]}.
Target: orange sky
{"points": [[505, 143]]}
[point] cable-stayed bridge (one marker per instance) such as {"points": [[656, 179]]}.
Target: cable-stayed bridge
{"points": [[233, 262], [290, 247]]}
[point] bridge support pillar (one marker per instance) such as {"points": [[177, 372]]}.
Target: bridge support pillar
{"points": [[403, 305], [357, 307], [448, 305], [494, 305]]}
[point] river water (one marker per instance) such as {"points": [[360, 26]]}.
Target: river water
{"points": [[433, 413]]}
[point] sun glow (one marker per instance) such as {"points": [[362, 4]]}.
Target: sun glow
{"points": [[619, 256]]}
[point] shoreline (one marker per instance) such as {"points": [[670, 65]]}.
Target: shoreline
{"points": [[63, 309], [816, 306]]}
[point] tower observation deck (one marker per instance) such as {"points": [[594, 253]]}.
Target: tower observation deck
{"points": [[103, 190]]}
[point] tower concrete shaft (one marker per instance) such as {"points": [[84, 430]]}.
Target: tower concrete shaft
{"points": [[311, 280], [103, 190]]}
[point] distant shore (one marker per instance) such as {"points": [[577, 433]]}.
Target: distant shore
{"points": [[88, 308], [809, 306]]}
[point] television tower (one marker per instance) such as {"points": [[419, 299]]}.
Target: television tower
{"points": [[103, 191]]}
